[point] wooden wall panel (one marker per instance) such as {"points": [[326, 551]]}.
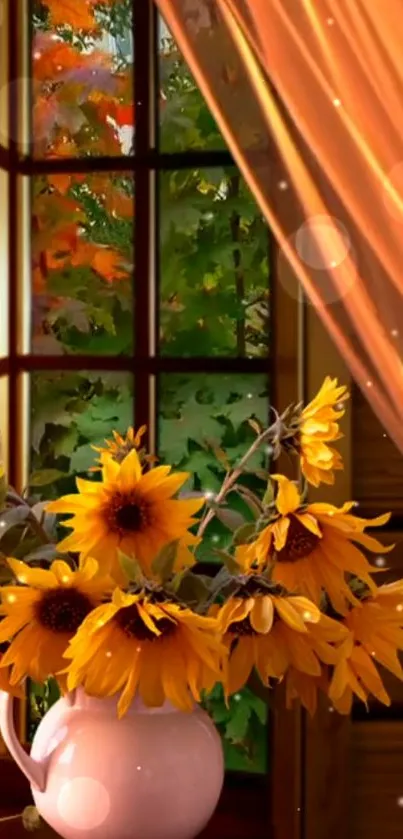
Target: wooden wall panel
{"points": [[285, 729], [326, 736], [376, 781], [377, 465]]}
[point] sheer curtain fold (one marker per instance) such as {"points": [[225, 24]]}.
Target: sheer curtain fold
{"points": [[309, 97]]}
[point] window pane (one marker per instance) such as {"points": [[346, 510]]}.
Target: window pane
{"points": [[70, 412], [198, 415], [214, 269], [82, 264], [202, 413], [82, 58], [4, 265], [185, 120]]}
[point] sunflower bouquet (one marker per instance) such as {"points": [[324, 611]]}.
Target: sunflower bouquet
{"points": [[122, 606]]}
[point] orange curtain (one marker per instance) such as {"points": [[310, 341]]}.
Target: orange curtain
{"points": [[308, 95]]}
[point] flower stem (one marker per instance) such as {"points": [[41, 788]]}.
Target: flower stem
{"points": [[232, 477]]}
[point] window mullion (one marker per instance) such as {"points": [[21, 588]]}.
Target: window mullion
{"points": [[14, 232], [144, 226]]}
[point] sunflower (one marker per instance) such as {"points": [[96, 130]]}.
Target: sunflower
{"points": [[311, 547], [185, 556], [128, 511], [160, 650], [317, 427], [5, 685], [43, 612], [376, 634], [120, 447], [305, 688], [273, 632]]}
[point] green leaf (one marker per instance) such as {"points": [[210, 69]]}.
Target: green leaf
{"points": [[104, 414], [83, 458], [44, 477], [237, 728], [228, 561], [130, 567], [250, 499], [64, 440], [11, 518], [193, 589], [268, 497], [243, 533], [44, 552], [221, 715], [47, 520], [163, 564], [230, 518], [259, 707]]}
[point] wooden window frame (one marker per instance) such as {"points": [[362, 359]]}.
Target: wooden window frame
{"points": [[250, 806]]}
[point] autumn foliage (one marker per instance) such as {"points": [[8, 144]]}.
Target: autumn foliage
{"points": [[82, 99]]}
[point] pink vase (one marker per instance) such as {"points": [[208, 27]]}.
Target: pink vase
{"points": [[155, 774]]}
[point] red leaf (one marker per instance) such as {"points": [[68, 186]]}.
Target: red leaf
{"points": [[123, 114]]}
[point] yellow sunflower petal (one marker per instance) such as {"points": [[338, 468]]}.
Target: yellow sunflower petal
{"points": [[280, 530], [240, 665], [262, 615], [309, 521], [35, 577], [288, 614], [365, 668], [288, 497]]}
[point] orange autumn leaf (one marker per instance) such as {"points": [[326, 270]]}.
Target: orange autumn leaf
{"points": [[38, 282], [99, 184], [76, 13], [61, 182], [119, 204], [106, 262], [56, 57], [62, 240], [84, 254], [63, 147]]}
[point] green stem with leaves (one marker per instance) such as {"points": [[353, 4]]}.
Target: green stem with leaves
{"points": [[232, 476]]}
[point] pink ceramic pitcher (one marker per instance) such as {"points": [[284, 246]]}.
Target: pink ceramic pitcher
{"points": [[155, 774]]}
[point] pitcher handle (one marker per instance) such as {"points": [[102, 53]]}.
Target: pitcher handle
{"points": [[34, 771]]}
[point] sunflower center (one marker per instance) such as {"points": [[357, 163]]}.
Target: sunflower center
{"points": [[63, 610], [129, 620], [127, 514], [242, 628], [130, 517], [300, 542]]}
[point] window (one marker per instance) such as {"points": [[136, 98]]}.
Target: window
{"points": [[138, 283]]}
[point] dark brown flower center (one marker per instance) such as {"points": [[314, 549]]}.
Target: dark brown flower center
{"points": [[242, 628], [129, 620], [127, 514], [63, 609], [300, 542]]}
